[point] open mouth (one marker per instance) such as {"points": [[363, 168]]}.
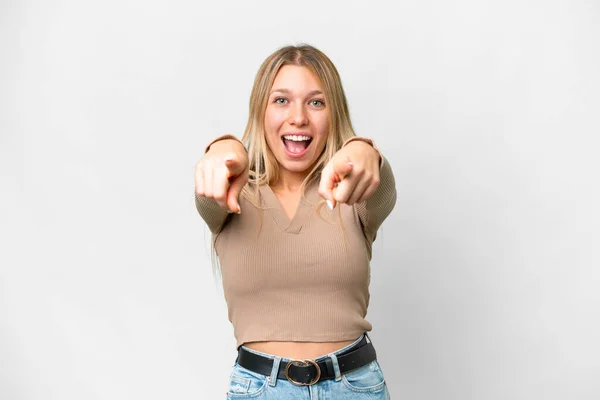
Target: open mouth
{"points": [[296, 144]]}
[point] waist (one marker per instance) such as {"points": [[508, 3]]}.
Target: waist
{"points": [[298, 350], [308, 371]]}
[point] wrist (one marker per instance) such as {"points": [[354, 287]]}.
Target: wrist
{"points": [[362, 141], [359, 139], [226, 140], [227, 146]]}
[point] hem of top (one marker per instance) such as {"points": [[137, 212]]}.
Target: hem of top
{"points": [[315, 339], [318, 358]]}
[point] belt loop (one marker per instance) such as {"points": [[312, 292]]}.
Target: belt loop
{"points": [[274, 371], [336, 366]]}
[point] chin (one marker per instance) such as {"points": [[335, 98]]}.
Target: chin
{"points": [[298, 166]]}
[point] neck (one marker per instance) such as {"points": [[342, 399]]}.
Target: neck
{"points": [[289, 181]]}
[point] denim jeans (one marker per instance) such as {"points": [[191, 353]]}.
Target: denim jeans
{"points": [[366, 382]]}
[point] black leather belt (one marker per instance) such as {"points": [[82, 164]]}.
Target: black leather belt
{"points": [[308, 372]]}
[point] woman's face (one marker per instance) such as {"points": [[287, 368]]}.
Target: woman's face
{"points": [[296, 118]]}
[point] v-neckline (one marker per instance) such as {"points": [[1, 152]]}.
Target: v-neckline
{"points": [[283, 221]]}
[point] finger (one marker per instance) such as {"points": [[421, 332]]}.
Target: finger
{"points": [[199, 178], [345, 188], [208, 179], [359, 191], [370, 190], [234, 166], [233, 194], [327, 183], [342, 166], [220, 186]]}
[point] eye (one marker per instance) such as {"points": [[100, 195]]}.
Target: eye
{"points": [[280, 100], [317, 103]]}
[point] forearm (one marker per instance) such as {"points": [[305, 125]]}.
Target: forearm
{"points": [[379, 205]]}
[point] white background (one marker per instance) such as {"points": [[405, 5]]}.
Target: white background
{"points": [[485, 278]]}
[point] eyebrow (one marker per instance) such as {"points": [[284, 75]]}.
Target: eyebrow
{"points": [[311, 93]]}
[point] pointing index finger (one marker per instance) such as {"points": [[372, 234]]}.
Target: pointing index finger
{"points": [[234, 166], [342, 167]]}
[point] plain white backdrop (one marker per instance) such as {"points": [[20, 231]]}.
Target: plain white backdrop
{"points": [[485, 278]]}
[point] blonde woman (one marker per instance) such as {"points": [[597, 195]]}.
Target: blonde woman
{"points": [[295, 272]]}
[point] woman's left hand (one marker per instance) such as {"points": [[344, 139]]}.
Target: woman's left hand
{"points": [[352, 175]]}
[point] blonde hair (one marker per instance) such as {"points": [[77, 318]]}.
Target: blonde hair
{"points": [[263, 166]]}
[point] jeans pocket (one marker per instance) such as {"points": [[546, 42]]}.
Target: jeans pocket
{"points": [[246, 384], [368, 378]]}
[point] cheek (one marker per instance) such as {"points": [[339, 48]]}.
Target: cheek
{"points": [[323, 124], [272, 124], [273, 119], [323, 128]]}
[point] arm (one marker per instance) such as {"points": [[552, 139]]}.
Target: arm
{"points": [[220, 176], [375, 209], [211, 212]]}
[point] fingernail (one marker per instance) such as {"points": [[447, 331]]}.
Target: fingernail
{"points": [[229, 212], [239, 209], [330, 204], [350, 163]]}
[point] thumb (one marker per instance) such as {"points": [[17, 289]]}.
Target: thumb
{"points": [[342, 166], [234, 166], [332, 174], [233, 194]]}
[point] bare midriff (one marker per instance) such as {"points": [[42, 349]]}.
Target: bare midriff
{"points": [[297, 350]]}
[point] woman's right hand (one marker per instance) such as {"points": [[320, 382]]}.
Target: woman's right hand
{"points": [[222, 173]]}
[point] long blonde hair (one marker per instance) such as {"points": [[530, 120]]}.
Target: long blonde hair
{"points": [[263, 166]]}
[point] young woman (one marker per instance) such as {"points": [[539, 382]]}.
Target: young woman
{"points": [[296, 274]]}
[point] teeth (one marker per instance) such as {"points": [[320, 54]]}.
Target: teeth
{"points": [[296, 138]]}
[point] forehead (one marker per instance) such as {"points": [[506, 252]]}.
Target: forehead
{"points": [[296, 78]]}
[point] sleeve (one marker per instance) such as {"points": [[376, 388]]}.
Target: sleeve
{"points": [[375, 210], [209, 209], [211, 213]]}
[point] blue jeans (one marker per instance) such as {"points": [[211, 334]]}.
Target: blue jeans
{"points": [[366, 382]]}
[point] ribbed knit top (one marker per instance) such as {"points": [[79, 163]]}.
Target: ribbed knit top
{"points": [[300, 279]]}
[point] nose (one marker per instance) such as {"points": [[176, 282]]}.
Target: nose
{"points": [[298, 115]]}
